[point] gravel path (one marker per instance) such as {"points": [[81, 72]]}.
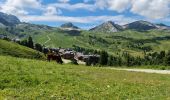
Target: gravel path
{"points": [[145, 70]]}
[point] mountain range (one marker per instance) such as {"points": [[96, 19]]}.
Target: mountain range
{"points": [[137, 25], [136, 37], [7, 20], [108, 27]]}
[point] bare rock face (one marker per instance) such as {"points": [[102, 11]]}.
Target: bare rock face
{"points": [[140, 26], [69, 26], [107, 27]]}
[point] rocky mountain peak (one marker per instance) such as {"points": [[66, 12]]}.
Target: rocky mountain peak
{"points": [[69, 25], [108, 26], [8, 20], [140, 25]]}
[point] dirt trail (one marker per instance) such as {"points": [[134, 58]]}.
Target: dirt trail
{"points": [[145, 70], [49, 39]]}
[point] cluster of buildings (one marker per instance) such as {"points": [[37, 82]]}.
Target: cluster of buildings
{"points": [[70, 54]]}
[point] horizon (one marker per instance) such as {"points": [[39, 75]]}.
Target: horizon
{"points": [[90, 27], [87, 14]]}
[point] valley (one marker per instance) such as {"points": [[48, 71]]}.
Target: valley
{"points": [[29, 79], [113, 36], [109, 61]]}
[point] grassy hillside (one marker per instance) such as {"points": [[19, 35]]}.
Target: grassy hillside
{"points": [[16, 50], [134, 42], [31, 79], [128, 40]]}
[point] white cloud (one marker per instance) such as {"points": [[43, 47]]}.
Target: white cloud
{"points": [[101, 4], [115, 5], [52, 11], [154, 9], [18, 7], [118, 5], [87, 19], [23, 3], [13, 10], [76, 6]]}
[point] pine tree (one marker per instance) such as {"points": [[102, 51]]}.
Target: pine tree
{"points": [[24, 43], [103, 58], [168, 58], [110, 61], [38, 47], [120, 61], [30, 42], [128, 60]]}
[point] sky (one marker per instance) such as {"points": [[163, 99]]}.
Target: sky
{"points": [[87, 13]]}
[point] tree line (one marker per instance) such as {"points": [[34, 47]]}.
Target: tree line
{"points": [[29, 43], [126, 59], [106, 59]]}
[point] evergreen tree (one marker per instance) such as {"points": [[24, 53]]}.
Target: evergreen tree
{"points": [[24, 42], [103, 58], [30, 42], [110, 61], [161, 58], [168, 58], [38, 47], [162, 54], [128, 60], [120, 61]]}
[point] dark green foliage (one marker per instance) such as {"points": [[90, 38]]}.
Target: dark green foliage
{"points": [[157, 58], [6, 38], [92, 60], [103, 58], [110, 61], [30, 42], [85, 50], [120, 61], [38, 47], [114, 61], [126, 59], [24, 43], [168, 58]]}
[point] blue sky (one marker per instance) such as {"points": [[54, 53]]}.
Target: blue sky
{"points": [[87, 13]]}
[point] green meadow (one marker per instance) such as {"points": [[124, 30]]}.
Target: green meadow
{"points": [[35, 79], [16, 50], [134, 42]]}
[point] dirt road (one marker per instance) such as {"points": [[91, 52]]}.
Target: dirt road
{"points": [[145, 70]]}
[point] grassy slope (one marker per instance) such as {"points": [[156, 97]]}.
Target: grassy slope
{"points": [[57, 40], [31, 79], [115, 42], [16, 50]]}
